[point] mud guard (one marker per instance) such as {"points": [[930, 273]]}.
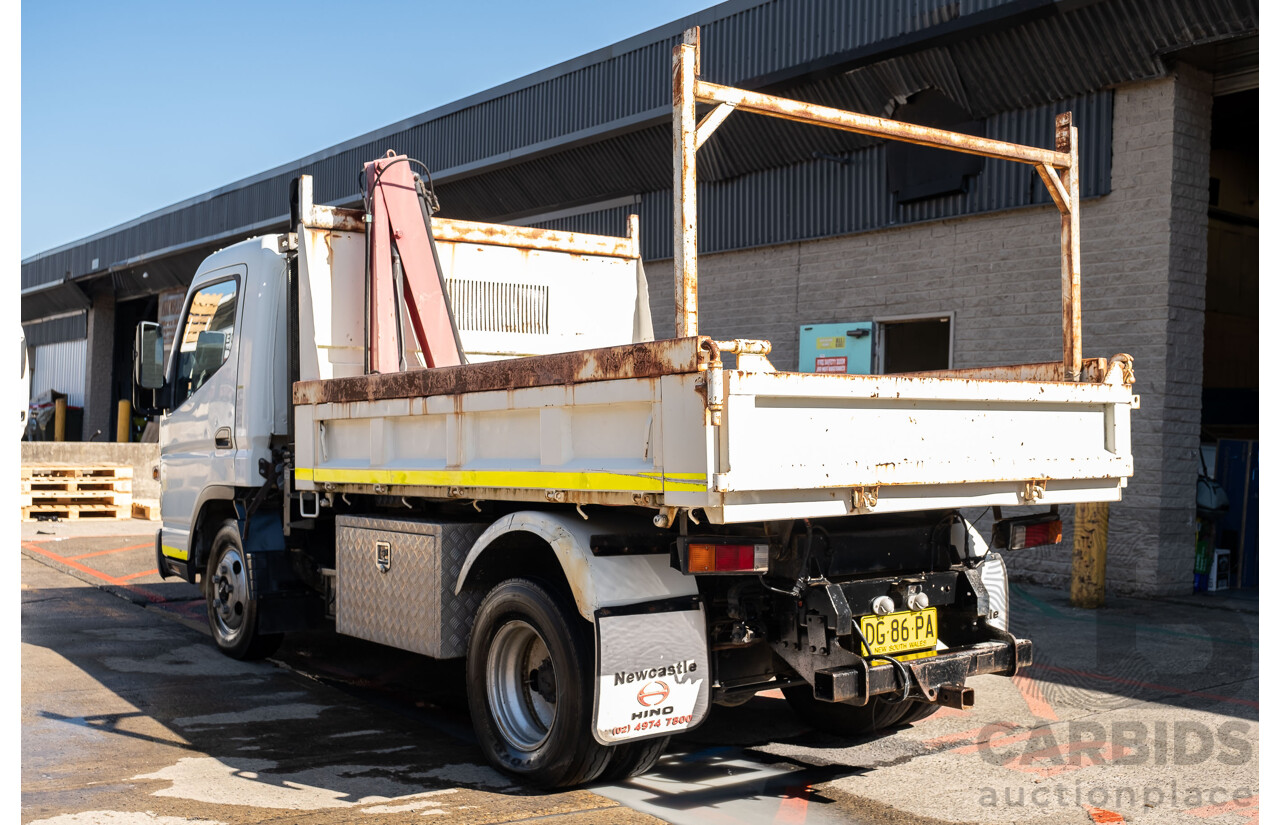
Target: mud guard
{"points": [[653, 670], [596, 581]]}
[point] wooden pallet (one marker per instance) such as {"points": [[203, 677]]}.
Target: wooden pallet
{"points": [[73, 492], [91, 471], [76, 512], [42, 485], [75, 498], [149, 510]]}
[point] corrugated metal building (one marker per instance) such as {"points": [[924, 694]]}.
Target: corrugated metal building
{"points": [[802, 226]]}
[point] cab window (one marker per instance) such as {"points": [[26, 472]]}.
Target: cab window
{"points": [[205, 342]]}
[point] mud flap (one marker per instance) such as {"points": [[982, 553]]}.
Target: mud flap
{"points": [[995, 578], [654, 669]]}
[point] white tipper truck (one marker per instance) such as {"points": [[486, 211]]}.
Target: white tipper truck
{"points": [[616, 532]]}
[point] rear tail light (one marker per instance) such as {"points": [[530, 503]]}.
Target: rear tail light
{"points": [[1019, 534], [728, 558]]}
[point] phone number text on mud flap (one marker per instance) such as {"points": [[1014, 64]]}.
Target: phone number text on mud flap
{"points": [[653, 724]]}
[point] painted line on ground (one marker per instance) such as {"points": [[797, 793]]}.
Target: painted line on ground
{"points": [[114, 581], [1031, 694], [109, 552], [97, 574]]}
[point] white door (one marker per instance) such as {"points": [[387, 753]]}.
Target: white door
{"points": [[197, 436]]}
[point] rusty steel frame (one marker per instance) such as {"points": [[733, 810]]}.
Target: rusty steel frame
{"points": [[340, 219], [1058, 169]]}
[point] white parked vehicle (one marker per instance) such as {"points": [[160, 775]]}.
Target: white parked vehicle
{"points": [[616, 532]]}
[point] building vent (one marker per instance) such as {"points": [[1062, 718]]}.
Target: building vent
{"points": [[495, 306]]}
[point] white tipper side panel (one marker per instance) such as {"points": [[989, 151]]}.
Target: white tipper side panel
{"points": [[593, 437], [798, 443]]}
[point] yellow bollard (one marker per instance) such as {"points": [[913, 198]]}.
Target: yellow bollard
{"points": [[124, 416], [1089, 555], [60, 420]]}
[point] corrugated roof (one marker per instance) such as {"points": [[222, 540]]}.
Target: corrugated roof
{"points": [[598, 126]]}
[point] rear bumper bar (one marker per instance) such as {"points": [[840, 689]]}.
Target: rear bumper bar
{"points": [[858, 682]]}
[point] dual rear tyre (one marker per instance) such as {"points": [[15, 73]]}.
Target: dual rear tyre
{"points": [[531, 680]]}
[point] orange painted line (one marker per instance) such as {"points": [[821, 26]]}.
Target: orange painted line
{"points": [[1147, 685], [109, 552], [1034, 698], [794, 807], [132, 576], [97, 574], [1101, 816]]}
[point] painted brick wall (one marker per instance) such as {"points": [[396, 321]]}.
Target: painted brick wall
{"points": [[1143, 269]]}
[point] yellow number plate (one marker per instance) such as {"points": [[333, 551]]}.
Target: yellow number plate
{"points": [[900, 632]]}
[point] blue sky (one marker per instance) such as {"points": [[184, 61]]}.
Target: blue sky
{"points": [[128, 107]]}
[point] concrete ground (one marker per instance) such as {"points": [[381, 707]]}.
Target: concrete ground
{"points": [[1140, 712]]}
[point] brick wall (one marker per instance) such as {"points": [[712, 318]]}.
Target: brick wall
{"points": [[1143, 269]]}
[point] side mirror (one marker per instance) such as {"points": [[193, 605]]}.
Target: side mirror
{"points": [[148, 369], [148, 356]]}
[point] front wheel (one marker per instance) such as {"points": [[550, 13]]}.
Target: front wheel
{"points": [[530, 678], [233, 615]]}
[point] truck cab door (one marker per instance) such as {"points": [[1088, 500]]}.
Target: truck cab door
{"points": [[198, 435]]}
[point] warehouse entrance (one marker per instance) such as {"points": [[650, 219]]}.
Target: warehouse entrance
{"points": [[1229, 400]]}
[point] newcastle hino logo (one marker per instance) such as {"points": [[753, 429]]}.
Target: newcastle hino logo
{"points": [[653, 693], [382, 555]]}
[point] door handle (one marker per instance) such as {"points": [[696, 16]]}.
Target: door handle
{"points": [[222, 438]]}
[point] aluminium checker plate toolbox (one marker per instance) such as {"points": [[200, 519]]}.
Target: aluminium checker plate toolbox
{"points": [[395, 583]]}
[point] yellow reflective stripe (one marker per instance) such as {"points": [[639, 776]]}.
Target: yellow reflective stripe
{"points": [[524, 479], [698, 477], [173, 552]]}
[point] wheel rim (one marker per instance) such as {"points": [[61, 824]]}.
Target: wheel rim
{"points": [[521, 684], [228, 590]]}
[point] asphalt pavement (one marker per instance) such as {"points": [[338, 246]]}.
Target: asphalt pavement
{"points": [[1143, 711]]}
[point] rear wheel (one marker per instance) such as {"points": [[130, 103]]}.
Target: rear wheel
{"points": [[844, 719], [233, 615], [530, 667]]}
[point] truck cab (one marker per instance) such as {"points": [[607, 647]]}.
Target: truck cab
{"points": [[225, 392]]}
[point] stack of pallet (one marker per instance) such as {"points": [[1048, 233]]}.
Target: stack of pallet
{"points": [[68, 492]]}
